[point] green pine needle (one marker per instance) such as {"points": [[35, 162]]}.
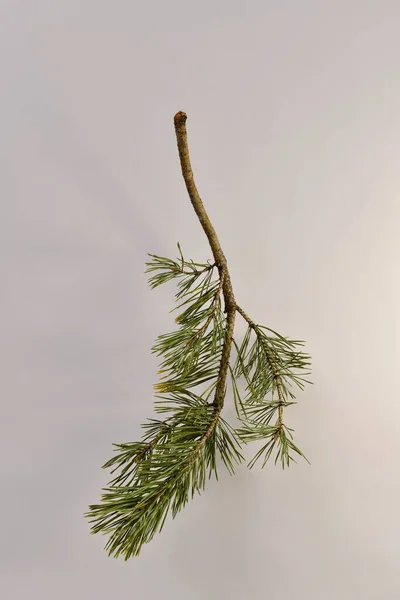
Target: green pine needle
{"points": [[157, 476]]}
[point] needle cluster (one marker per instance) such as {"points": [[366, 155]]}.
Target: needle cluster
{"points": [[177, 454]]}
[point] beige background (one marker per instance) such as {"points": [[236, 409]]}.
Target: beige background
{"points": [[293, 121]]}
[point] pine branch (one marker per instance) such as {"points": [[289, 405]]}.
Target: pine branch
{"points": [[270, 366], [156, 476], [163, 474]]}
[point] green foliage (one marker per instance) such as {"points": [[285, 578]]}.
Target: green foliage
{"points": [[157, 476], [191, 353], [270, 365], [177, 454], [279, 438]]}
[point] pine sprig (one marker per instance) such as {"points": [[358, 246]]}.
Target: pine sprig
{"points": [[159, 474], [162, 475], [155, 477], [191, 353], [176, 455], [167, 269], [280, 439], [270, 365]]}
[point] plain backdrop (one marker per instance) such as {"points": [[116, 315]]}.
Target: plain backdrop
{"points": [[294, 130]]}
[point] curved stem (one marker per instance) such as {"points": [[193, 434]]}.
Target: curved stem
{"points": [[219, 257]]}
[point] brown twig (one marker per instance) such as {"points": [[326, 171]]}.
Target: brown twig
{"points": [[219, 257]]}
